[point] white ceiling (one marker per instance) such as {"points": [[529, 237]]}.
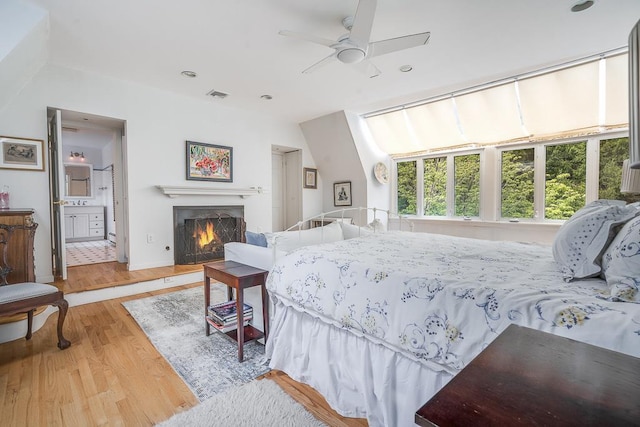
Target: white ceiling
{"points": [[235, 48]]}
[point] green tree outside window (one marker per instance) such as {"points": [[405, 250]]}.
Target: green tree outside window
{"points": [[467, 185], [517, 183], [435, 186], [566, 175], [407, 188], [612, 153]]}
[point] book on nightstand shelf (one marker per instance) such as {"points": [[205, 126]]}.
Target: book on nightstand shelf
{"points": [[227, 327], [226, 311]]}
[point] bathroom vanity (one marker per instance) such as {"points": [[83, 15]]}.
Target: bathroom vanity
{"points": [[82, 223]]}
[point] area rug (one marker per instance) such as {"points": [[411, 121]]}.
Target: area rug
{"points": [[174, 323], [258, 403]]}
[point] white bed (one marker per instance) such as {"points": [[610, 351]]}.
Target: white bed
{"points": [[378, 324]]}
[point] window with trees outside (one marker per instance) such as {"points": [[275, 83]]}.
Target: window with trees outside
{"points": [[517, 189], [546, 181], [426, 182], [534, 147], [407, 187], [467, 185], [612, 154], [435, 186]]}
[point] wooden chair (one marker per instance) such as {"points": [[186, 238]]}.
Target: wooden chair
{"points": [[27, 296]]}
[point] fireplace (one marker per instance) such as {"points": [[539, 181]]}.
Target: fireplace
{"points": [[200, 232]]}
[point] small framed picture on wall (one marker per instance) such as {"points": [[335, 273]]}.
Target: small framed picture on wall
{"points": [[310, 178], [21, 153], [342, 193]]}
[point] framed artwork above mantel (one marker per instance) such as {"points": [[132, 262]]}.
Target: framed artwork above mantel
{"points": [[209, 162]]}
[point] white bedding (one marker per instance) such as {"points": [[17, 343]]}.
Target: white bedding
{"points": [[440, 300]]}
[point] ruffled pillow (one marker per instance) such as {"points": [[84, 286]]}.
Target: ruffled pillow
{"points": [[582, 239], [621, 263]]}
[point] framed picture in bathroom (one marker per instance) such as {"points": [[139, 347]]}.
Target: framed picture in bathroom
{"points": [[21, 153]]}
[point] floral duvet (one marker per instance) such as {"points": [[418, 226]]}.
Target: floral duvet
{"points": [[442, 299]]}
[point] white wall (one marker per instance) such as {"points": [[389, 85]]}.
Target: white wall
{"points": [[378, 194], [24, 31], [337, 159], [158, 123]]}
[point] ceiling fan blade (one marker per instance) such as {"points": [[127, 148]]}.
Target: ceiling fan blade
{"points": [[308, 37], [399, 43], [362, 23], [368, 68], [320, 63]]}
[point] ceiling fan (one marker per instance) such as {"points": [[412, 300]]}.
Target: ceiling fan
{"points": [[355, 46]]}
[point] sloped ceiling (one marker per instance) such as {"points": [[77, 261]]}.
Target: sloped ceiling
{"points": [[24, 42], [235, 48]]}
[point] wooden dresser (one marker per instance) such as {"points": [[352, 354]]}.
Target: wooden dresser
{"points": [[20, 255]]}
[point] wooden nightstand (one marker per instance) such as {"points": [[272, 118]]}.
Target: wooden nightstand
{"points": [[528, 377], [239, 277]]}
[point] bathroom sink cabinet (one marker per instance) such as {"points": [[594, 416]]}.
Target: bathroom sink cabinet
{"points": [[84, 223]]}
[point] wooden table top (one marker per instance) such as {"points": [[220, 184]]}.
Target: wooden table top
{"points": [[233, 268], [528, 377]]}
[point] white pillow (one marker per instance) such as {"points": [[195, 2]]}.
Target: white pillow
{"points": [[349, 231], [621, 263], [581, 240], [290, 240], [377, 226]]}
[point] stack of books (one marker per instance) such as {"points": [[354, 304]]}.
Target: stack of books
{"points": [[223, 316]]}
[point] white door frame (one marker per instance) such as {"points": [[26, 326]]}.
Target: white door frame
{"points": [[120, 197]]}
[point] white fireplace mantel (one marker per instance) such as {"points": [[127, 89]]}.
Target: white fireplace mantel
{"points": [[175, 191]]}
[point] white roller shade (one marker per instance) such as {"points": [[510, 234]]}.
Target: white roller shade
{"points": [[391, 133], [490, 115], [617, 91], [562, 101], [435, 125]]}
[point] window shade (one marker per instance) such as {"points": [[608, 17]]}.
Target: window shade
{"points": [[562, 101], [617, 91], [391, 133], [435, 125], [555, 104], [490, 115]]}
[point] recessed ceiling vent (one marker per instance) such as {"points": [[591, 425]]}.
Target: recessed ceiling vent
{"points": [[217, 94]]}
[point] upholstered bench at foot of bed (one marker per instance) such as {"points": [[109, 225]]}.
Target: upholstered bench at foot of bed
{"points": [[26, 297]]}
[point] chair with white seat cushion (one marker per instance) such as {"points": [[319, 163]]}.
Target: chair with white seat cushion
{"points": [[26, 297]]}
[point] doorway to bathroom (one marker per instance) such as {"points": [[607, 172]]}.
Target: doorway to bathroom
{"points": [[88, 227]]}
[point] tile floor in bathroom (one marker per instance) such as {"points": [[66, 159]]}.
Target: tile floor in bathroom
{"points": [[82, 253]]}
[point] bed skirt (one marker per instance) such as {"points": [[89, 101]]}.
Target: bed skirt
{"points": [[357, 377]]}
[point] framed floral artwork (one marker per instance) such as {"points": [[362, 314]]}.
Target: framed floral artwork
{"points": [[310, 178], [209, 162], [342, 193], [21, 153]]}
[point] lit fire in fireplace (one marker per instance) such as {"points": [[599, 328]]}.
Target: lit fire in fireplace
{"points": [[206, 236]]}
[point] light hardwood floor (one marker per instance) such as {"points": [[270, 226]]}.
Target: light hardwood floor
{"points": [[105, 275], [110, 376]]}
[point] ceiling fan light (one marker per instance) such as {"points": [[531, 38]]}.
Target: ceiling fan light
{"points": [[351, 55]]}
